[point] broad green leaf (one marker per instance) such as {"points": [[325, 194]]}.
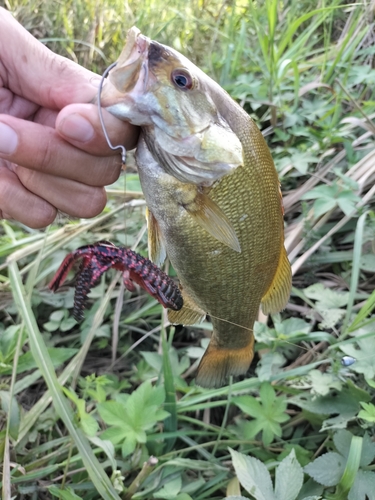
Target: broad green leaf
{"points": [[367, 262], [363, 487], [253, 476], [248, 405], [347, 401], [288, 478], [88, 424], [322, 206], [128, 446], [112, 413], [170, 490], [342, 440], [269, 365], [327, 297], [362, 351], [322, 383], [310, 490], [327, 469]]}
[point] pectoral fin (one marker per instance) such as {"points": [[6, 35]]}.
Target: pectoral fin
{"points": [[213, 220], [276, 297], [189, 314], [156, 246]]}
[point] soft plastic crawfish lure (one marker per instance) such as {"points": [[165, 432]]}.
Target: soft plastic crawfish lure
{"points": [[101, 256]]}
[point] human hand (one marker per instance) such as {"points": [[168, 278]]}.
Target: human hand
{"points": [[53, 154]]}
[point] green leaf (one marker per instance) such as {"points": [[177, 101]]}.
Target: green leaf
{"points": [[361, 350], [65, 494], [288, 478], [327, 469], [367, 262], [170, 490], [253, 476], [322, 206], [10, 406], [352, 465], [128, 446], [88, 424], [248, 405], [112, 413], [327, 297], [58, 356], [322, 383], [108, 449], [269, 365], [363, 487]]}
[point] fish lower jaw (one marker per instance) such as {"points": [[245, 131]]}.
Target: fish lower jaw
{"points": [[127, 112]]}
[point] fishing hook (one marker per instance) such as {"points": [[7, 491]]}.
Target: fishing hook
{"points": [[119, 146]]}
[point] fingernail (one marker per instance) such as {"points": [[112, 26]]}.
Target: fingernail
{"points": [[8, 139], [76, 127]]}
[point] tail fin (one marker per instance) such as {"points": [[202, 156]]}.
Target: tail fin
{"points": [[218, 363]]}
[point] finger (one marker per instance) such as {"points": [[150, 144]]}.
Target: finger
{"points": [[36, 73], [80, 125], [16, 202], [40, 148], [73, 198]]}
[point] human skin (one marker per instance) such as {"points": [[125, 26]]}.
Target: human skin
{"points": [[53, 154]]}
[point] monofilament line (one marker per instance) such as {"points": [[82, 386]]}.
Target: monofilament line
{"points": [[123, 150]]}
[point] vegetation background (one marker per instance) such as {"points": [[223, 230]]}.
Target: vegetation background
{"points": [[301, 425]]}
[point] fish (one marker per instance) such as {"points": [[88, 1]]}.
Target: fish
{"points": [[214, 204]]}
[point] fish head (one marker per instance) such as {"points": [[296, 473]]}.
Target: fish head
{"points": [[179, 107]]}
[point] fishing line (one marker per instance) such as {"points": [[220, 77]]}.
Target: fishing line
{"points": [[346, 360], [110, 145]]}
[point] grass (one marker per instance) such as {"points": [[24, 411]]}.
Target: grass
{"points": [[86, 407]]}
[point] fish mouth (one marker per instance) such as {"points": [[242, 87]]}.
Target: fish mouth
{"points": [[132, 67], [130, 75]]}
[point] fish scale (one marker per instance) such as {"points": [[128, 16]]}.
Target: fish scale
{"points": [[213, 198]]}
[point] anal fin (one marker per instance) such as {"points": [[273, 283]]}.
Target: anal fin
{"points": [[189, 314], [276, 297]]}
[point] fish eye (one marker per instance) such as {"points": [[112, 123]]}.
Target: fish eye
{"points": [[182, 79]]}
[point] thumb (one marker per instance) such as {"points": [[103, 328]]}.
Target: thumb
{"points": [[36, 73]]}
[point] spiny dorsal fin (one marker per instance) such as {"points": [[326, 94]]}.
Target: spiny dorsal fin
{"points": [[276, 297]]}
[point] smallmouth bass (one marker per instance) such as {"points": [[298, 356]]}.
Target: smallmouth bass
{"points": [[213, 197]]}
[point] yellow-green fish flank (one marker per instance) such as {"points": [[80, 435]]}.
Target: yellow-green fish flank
{"points": [[213, 197]]}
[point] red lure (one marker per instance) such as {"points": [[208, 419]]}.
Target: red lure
{"points": [[101, 256]]}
